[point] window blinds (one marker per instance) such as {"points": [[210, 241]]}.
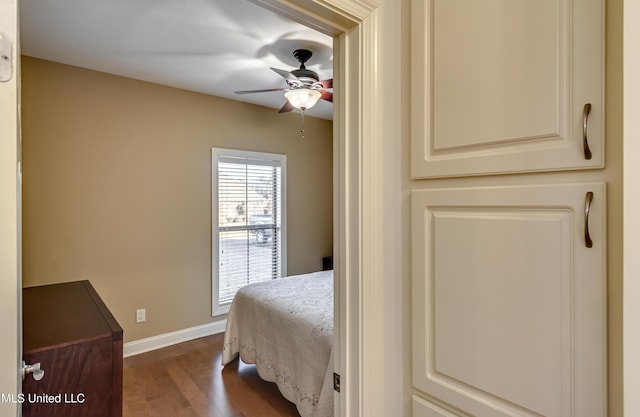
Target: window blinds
{"points": [[249, 222]]}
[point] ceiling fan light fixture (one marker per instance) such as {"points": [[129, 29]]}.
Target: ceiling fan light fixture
{"points": [[303, 98]]}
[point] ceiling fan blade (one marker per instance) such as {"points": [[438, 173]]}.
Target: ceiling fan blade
{"points": [[327, 83], [259, 91], [286, 75], [287, 107], [327, 95]]}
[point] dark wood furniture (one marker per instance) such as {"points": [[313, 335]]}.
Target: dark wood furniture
{"points": [[71, 333], [327, 263]]}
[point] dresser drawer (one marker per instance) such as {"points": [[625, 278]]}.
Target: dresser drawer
{"points": [[78, 343]]}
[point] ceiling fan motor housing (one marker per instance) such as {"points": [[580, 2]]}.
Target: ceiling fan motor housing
{"points": [[303, 74], [306, 76]]}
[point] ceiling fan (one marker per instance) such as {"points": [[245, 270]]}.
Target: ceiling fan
{"points": [[304, 87]]}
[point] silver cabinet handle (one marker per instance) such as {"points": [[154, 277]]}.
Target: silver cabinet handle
{"points": [[585, 141], [587, 208]]}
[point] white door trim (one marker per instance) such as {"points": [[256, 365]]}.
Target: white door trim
{"points": [[631, 192], [10, 279], [358, 199]]}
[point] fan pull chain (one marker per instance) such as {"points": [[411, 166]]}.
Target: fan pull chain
{"points": [[302, 127]]}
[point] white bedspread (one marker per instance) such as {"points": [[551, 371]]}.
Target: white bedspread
{"points": [[285, 327]]}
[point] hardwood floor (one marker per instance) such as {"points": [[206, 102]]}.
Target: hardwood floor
{"points": [[187, 380]]}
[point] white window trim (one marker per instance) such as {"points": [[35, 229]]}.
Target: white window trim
{"points": [[216, 154]]}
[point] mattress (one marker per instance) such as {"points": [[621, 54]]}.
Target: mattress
{"points": [[285, 328]]}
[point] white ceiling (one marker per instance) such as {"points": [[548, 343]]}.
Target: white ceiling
{"points": [[211, 46]]}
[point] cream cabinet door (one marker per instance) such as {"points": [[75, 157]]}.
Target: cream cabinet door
{"points": [[508, 301], [502, 86]]}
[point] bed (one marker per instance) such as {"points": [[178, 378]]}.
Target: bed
{"points": [[285, 328]]}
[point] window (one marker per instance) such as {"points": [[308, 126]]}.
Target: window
{"points": [[248, 221]]}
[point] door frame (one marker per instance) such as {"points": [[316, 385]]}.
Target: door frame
{"points": [[10, 274], [631, 208], [358, 201]]}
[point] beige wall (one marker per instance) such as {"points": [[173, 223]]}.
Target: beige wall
{"points": [[117, 189]]}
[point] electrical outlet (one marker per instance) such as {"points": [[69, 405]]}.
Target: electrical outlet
{"points": [[141, 315]]}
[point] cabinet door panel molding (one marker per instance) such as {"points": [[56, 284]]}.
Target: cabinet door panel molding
{"points": [[508, 304], [500, 86]]}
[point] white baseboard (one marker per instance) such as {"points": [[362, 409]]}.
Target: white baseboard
{"points": [[163, 340]]}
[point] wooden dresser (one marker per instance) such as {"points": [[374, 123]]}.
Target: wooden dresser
{"points": [[78, 342]]}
